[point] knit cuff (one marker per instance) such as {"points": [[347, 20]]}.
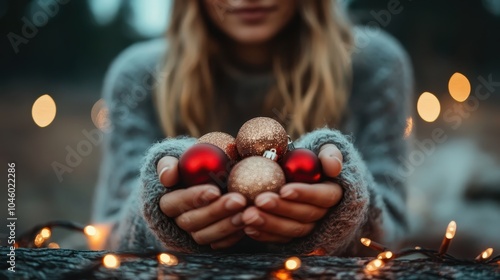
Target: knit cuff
{"points": [[342, 224], [163, 227]]}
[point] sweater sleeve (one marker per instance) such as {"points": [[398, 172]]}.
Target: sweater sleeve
{"points": [[129, 144], [373, 204]]}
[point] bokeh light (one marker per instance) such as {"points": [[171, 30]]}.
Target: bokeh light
{"points": [[53, 245], [111, 261], [459, 87], [167, 259], [90, 230], [428, 107], [99, 115], [292, 263], [44, 110]]}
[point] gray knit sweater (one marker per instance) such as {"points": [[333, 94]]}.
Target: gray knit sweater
{"points": [[371, 140]]}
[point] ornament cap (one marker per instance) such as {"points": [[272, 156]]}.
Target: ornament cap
{"points": [[271, 154]]}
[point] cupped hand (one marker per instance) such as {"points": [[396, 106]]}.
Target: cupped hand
{"points": [[201, 210], [294, 211]]}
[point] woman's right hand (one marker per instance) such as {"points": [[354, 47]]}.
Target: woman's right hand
{"points": [[201, 210]]}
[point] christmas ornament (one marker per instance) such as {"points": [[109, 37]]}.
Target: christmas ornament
{"points": [[260, 134], [255, 175], [201, 164], [224, 141], [302, 165]]}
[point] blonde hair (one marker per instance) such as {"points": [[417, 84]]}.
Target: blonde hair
{"points": [[312, 78]]}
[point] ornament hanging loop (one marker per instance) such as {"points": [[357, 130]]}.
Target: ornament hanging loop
{"points": [[271, 154]]}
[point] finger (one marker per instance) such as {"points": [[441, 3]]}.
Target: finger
{"points": [[179, 201], [265, 236], [167, 171], [331, 160], [302, 212], [223, 207], [218, 230], [261, 221], [326, 194], [228, 241]]}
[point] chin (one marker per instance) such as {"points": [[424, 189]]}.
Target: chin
{"points": [[253, 36]]}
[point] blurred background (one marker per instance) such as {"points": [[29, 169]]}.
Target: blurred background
{"points": [[54, 55]]}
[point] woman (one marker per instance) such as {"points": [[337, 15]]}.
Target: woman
{"points": [[223, 63]]}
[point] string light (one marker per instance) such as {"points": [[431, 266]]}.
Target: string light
{"points": [[486, 254], [372, 244], [293, 263], [111, 261], [450, 233], [167, 259]]}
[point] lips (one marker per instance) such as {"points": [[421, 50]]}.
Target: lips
{"points": [[253, 14]]}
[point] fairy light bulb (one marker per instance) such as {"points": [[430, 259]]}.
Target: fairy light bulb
{"points": [[39, 240], [292, 263], [387, 255], [53, 245], [45, 233], [167, 259], [486, 254], [451, 230], [450, 233], [372, 244], [366, 241], [374, 265], [111, 261], [90, 230]]}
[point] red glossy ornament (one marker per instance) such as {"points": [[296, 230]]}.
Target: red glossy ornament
{"points": [[302, 165], [202, 164]]}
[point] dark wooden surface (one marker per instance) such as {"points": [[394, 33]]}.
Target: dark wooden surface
{"points": [[73, 264]]}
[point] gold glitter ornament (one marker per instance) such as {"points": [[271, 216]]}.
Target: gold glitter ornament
{"points": [[255, 175], [224, 141], [259, 135]]}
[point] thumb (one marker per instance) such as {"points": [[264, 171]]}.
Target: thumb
{"points": [[167, 171], [331, 160]]}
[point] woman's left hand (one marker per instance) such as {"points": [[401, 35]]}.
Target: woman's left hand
{"points": [[293, 212]]}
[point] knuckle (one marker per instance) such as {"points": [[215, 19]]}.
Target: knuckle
{"points": [[312, 216], [184, 222], [300, 230], [198, 238]]}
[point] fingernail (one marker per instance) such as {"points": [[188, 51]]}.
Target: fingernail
{"points": [[210, 194], [255, 220], [163, 170], [338, 159], [236, 220], [266, 203], [251, 231], [234, 203], [290, 194]]}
